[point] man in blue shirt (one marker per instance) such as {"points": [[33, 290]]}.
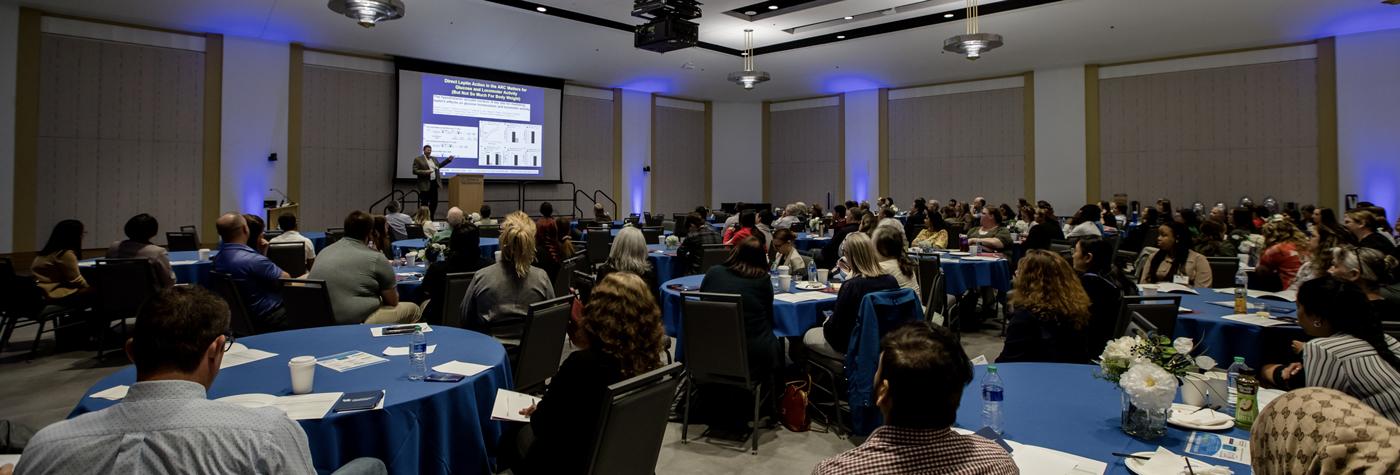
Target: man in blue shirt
{"points": [[256, 277]]}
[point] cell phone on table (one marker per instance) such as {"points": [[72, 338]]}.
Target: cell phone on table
{"points": [[444, 377]]}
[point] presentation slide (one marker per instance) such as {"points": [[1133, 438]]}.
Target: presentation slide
{"points": [[500, 130]]}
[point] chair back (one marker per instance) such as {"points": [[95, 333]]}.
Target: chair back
{"points": [[308, 303], [1223, 269], [633, 422], [1141, 263], [123, 286], [272, 233], [451, 307], [955, 230], [582, 282], [599, 243], [181, 241], [542, 343], [720, 216], [936, 300], [652, 234], [333, 235], [189, 228], [1160, 310], [713, 255], [1391, 328], [930, 268], [712, 333], [1139, 326], [489, 230], [681, 229], [239, 322], [414, 231], [654, 220], [912, 230], [566, 272], [289, 256]]}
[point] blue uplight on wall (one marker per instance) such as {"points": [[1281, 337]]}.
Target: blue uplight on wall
{"points": [[841, 83], [651, 85]]}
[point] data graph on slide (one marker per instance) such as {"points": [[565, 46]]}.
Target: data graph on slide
{"points": [[492, 128]]}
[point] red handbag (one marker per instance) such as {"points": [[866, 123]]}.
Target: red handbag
{"points": [[793, 407]]}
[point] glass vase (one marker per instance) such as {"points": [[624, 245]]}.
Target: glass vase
{"points": [[1145, 424]]}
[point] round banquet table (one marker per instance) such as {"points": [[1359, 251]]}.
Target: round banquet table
{"points": [[1063, 407], [489, 246], [807, 242], [789, 319], [423, 428], [962, 274], [186, 265], [318, 239], [409, 278], [662, 260], [1223, 339]]}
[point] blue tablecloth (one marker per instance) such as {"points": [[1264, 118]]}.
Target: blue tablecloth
{"points": [[1223, 339], [805, 242], [424, 427], [186, 265], [318, 239], [662, 261], [1063, 407], [789, 319], [489, 246], [962, 275], [408, 284]]}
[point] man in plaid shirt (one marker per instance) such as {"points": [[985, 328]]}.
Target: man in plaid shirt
{"points": [[918, 386], [692, 250]]}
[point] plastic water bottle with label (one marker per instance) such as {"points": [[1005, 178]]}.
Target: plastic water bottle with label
{"points": [[811, 270], [992, 393], [1242, 285], [1232, 379], [418, 356]]}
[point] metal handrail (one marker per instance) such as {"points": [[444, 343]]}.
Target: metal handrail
{"points": [[579, 211], [395, 195], [609, 198]]}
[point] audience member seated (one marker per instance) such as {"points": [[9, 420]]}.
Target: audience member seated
{"points": [[698, 234], [601, 215], [894, 258], [918, 388], [1104, 284], [551, 248], [455, 217], [378, 239], [991, 235], [1046, 230], [504, 291], [1284, 246], [397, 221], [1051, 313], [1364, 224], [783, 252], [291, 233], [745, 273], [619, 337], [838, 216], [1174, 261], [1367, 268], [139, 231], [1323, 431], [463, 255], [255, 276], [55, 267], [832, 251], [1212, 242], [257, 239], [166, 424], [629, 254], [765, 226], [483, 217], [747, 226], [887, 219], [362, 286], [1347, 351], [424, 219], [935, 233], [861, 263], [918, 212], [1188, 217], [790, 217], [1025, 218], [1085, 222]]}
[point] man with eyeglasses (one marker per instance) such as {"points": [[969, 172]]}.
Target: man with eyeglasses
{"points": [[166, 424]]}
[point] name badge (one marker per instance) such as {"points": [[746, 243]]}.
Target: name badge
{"points": [[1181, 279]]}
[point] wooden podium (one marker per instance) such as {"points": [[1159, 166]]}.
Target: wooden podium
{"points": [[273, 213], [467, 192]]}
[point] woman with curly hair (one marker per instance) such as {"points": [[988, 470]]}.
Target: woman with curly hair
{"points": [[1052, 311], [1284, 246], [619, 337], [1318, 259]]}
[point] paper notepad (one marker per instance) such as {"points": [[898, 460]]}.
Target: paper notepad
{"points": [[239, 354], [9, 459], [1255, 320], [403, 350], [509, 404], [114, 393], [1033, 459], [301, 407], [458, 367], [803, 296], [379, 331], [184, 263], [349, 360]]}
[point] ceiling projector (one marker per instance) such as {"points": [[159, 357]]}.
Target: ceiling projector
{"points": [[668, 27]]}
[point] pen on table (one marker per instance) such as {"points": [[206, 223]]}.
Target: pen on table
{"points": [[1131, 456]]}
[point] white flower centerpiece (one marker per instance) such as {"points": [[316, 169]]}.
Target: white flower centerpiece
{"points": [[672, 242], [1148, 369]]}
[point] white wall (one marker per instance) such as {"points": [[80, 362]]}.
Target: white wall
{"points": [[1368, 118], [737, 148], [254, 123], [862, 127], [636, 152], [1059, 137], [9, 42]]}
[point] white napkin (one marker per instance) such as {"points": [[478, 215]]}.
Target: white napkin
{"points": [[1165, 462], [1205, 417]]}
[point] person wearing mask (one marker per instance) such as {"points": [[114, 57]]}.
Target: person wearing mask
{"points": [[257, 279], [1046, 230], [1212, 242], [861, 262], [745, 274], [463, 255], [55, 267], [1085, 222], [991, 235], [1323, 431], [1347, 351], [783, 252], [699, 233], [1051, 313], [397, 221], [629, 254], [618, 337], [166, 423], [503, 292], [361, 284], [484, 217], [1284, 246], [1364, 224], [894, 261], [1366, 268], [1174, 261], [455, 217], [935, 233], [1104, 284], [139, 230], [290, 233]]}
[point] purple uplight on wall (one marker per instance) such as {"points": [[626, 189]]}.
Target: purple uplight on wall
{"points": [[840, 83], [652, 85]]}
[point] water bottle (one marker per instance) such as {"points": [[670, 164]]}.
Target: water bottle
{"points": [[1232, 378], [1242, 286], [991, 399], [811, 270], [418, 356]]}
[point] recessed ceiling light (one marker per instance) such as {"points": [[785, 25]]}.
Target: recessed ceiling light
{"points": [[850, 18], [772, 7], [840, 37], [750, 13], [947, 15], [541, 9]]}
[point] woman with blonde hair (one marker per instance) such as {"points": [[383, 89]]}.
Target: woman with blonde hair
{"points": [[862, 262], [504, 291], [618, 337], [1052, 311], [1368, 269], [1284, 249], [629, 255], [424, 218]]}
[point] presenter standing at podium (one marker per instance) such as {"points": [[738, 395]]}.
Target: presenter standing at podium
{"points": [[429, 175]]}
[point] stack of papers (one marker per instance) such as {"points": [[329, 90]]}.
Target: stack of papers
{"points": [[1040, 460], [379, 331], [797, 297], [458, 367], [114, 393], [403, 350], [509, 404], [1163, 461], [240, 354], [349, 360], [184, 263], [305, 406], [9, 459], [1255, 320]]}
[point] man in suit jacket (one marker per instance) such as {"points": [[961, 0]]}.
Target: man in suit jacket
{"points": [[429, 177]]}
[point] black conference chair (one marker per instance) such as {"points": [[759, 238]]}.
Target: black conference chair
{"points": [[1222, 271], [123, 286], [240, 323], [599, 245], [633, 423], [582, 282], [451, 306], [1160, 310], [308, 303], [21, 300], [289, 256], [930, 267], [713, 255], [716, 351], [181, 241], [333, 235], [679, 229], [272, 233], [414, 231], [566, 272], [652, 234], [542, 343], [1391, 328], [489, 230], [653, 220], [1140, 326]]}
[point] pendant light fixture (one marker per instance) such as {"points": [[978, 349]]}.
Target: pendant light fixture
{"points": [[974, 43], [748, 77], [368, 12]]}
